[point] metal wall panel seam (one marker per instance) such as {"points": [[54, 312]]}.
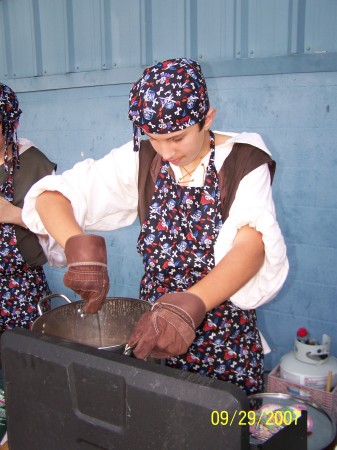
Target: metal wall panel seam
{"points": [[8, 41], [244, 29], [187, 37], [146, 32], [300, 26], [291, 33], [237, 29], [3, 69], [193, 10], [37, 37], [106, 36], [70, 35]]}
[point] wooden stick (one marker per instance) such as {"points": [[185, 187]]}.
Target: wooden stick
{"points": [[328, 382]]}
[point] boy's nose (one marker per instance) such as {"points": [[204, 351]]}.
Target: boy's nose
{"points": [[165, 150]]}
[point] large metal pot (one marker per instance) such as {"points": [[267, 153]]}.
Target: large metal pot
{"points": [[109, 329]]}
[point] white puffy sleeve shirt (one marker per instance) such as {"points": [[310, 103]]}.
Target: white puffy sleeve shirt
{"points": [[104, 196]]}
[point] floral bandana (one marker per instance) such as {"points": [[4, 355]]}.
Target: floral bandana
{"points": [[170, 96], [9, 118]]}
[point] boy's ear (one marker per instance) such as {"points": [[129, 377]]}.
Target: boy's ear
{"points": [[209, 118]]}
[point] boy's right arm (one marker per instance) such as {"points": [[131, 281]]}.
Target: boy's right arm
{"points": [[57, 215], [86, 254]]}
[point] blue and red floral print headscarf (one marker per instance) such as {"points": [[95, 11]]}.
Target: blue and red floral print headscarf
{"points": [[170, 96], [9, 118]]}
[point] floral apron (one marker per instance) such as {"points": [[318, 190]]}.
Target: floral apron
{"points": [[177, 242], [21, 286]]}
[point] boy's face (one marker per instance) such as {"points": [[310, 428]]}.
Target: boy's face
{"points": [[182, 147]]}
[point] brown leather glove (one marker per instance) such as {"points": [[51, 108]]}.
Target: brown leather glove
{"points": [[87, 273], [169, 328]]}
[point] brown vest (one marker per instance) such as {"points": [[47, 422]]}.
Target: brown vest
{"points": [[242, 159], [34, 165]]}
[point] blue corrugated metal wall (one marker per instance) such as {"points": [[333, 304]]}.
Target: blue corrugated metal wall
{"points": [[50, 44], [271, 67]]}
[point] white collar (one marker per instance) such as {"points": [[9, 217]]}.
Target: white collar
{"points": [[24, 144], [245, 138]]}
